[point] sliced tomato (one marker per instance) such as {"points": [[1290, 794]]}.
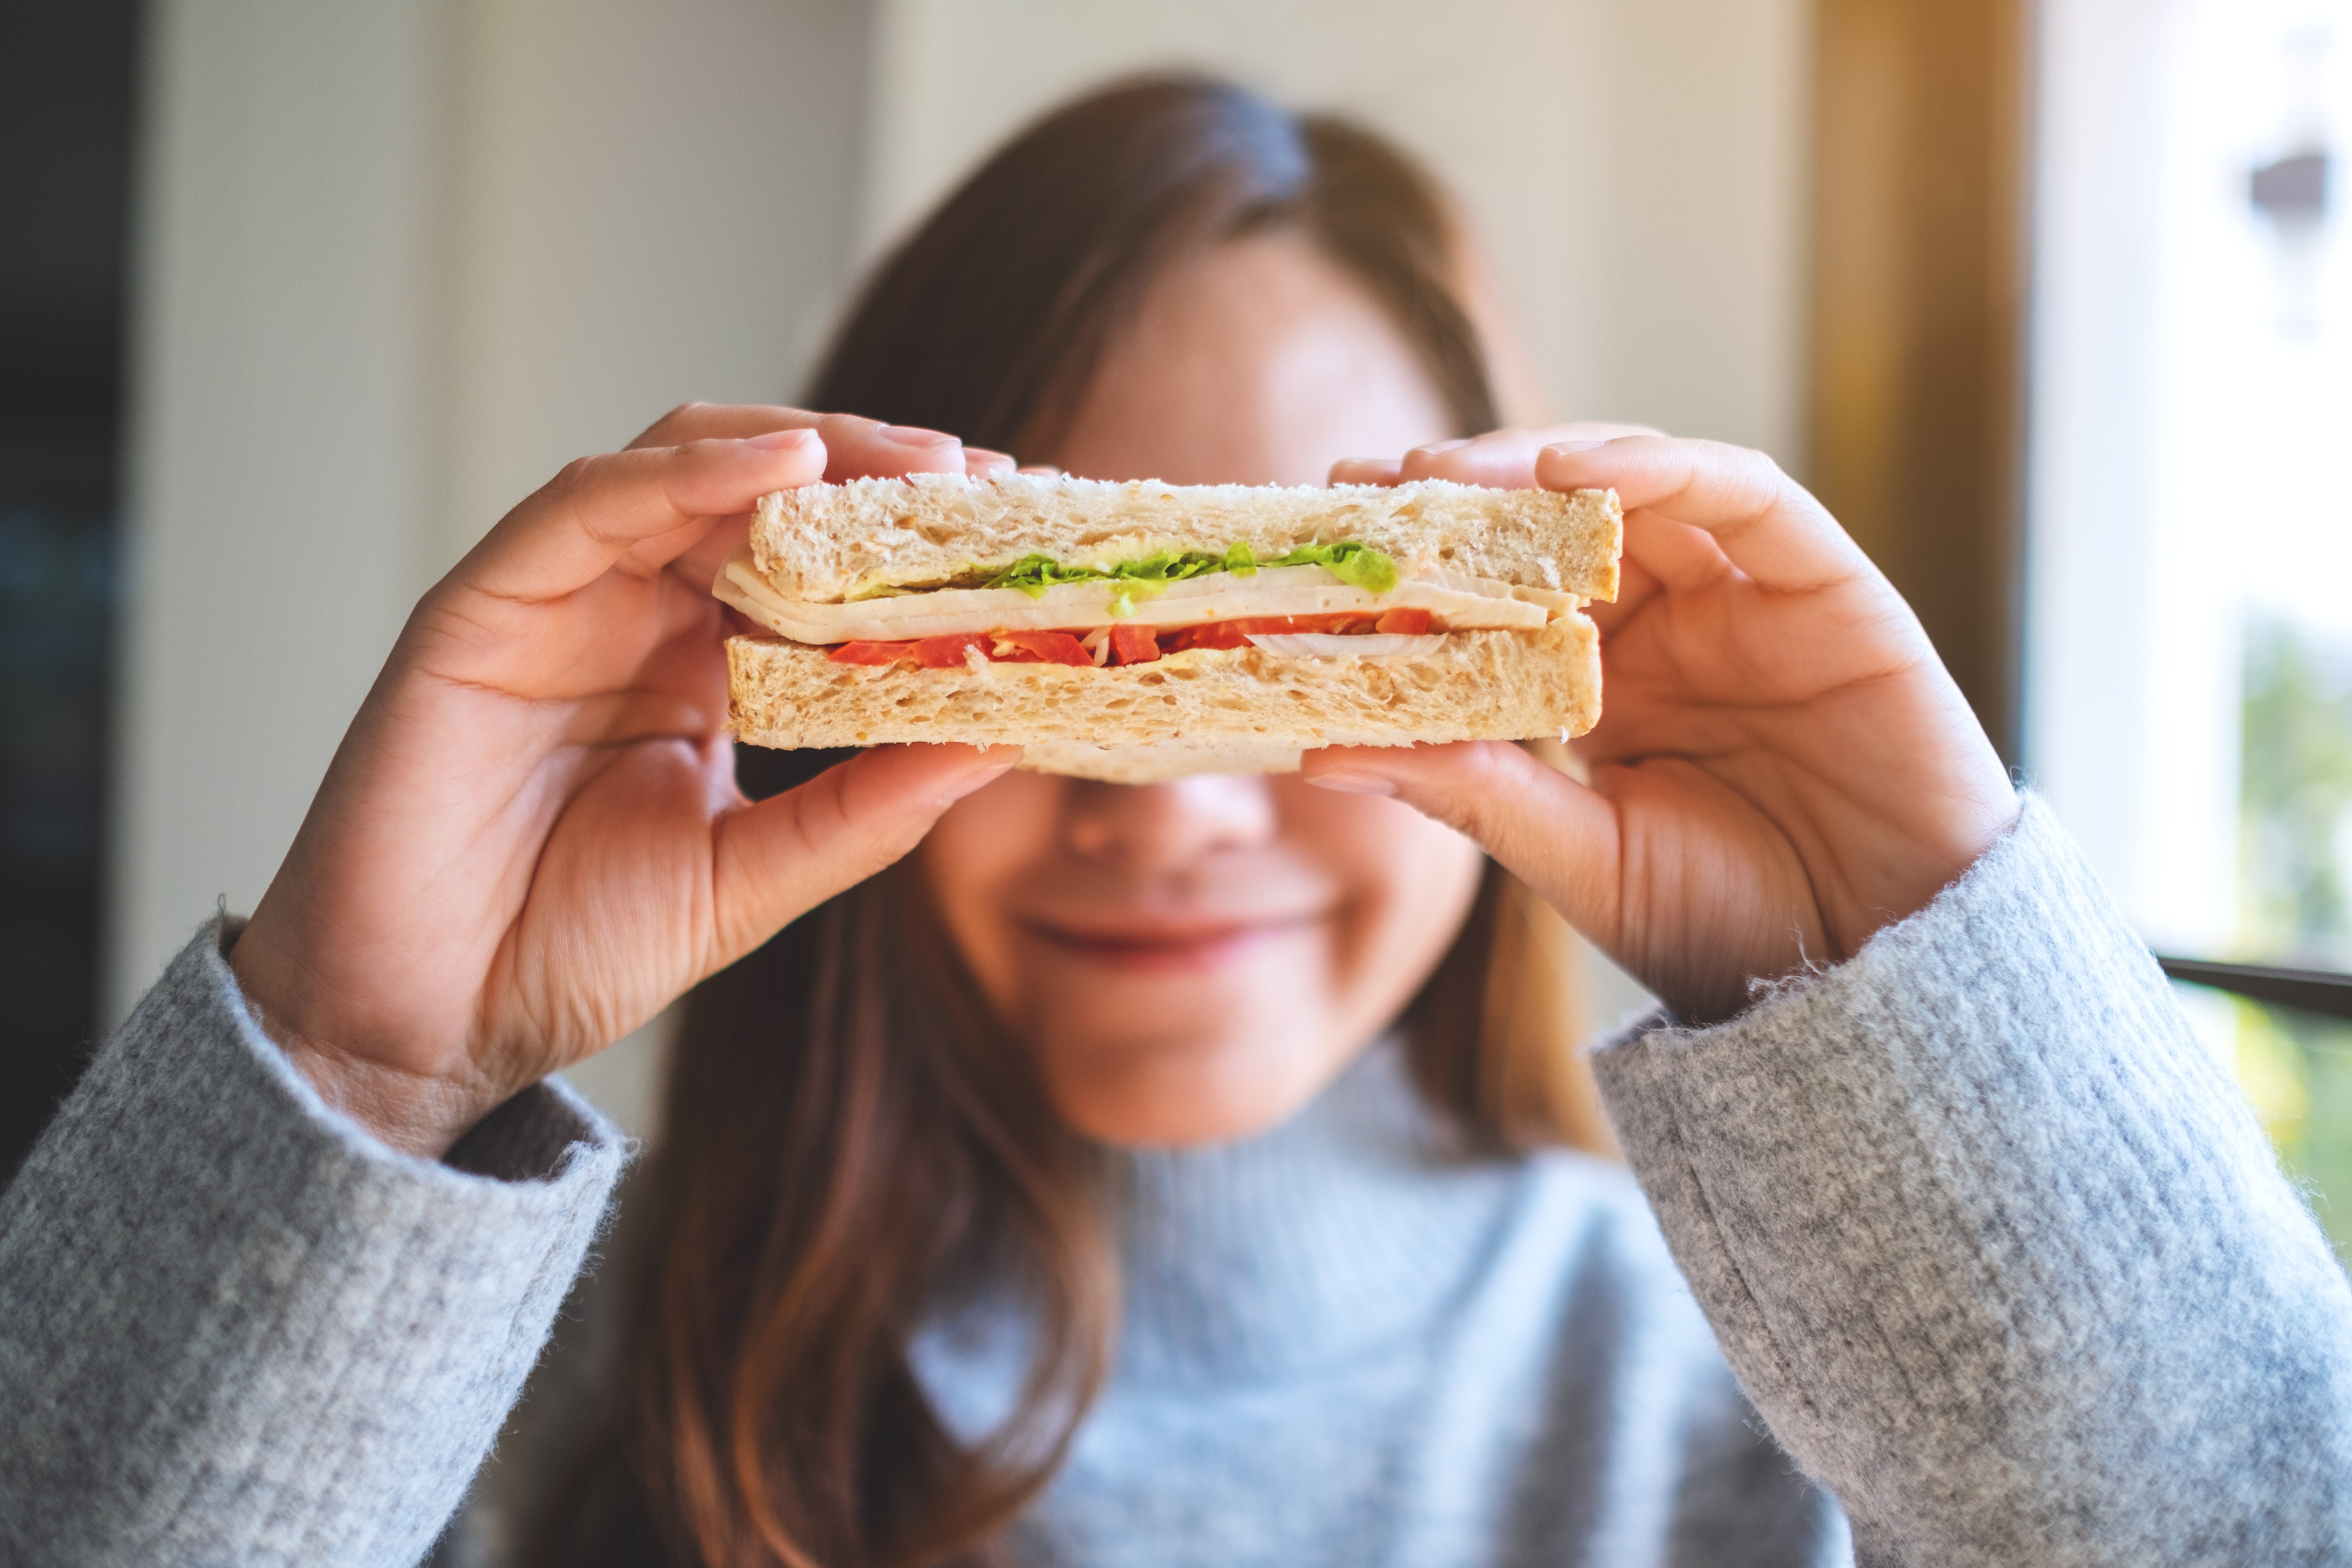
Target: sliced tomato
{"points": [[1340, 623], [947, 652], [1133, 644], [1237, 633], [1038, 647], [1214, 634], [1129, 644], [858, 650]]}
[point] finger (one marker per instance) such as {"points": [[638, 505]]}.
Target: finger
{"points": [[1502, 459], [868, 449], [1366, 471], [1546, 829], [1635, 587], [1677, 555], [778, 859], [699, 564], [722, 421], [1766, 523], [578, 526], [859, 448], [1042, 470]]}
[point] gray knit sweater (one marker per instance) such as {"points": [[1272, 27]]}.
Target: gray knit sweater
{"points": [[1992, 1246]]}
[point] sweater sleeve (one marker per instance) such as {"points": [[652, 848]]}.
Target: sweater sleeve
{"points": [[1996, 1247], [235, 1329]]}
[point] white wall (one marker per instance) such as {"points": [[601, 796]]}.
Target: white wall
{"points": [[1635, 166], [279, 515], [654, 202], [400, 259]]}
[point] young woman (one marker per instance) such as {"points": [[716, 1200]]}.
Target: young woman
{"points": [[1092, 1174]]}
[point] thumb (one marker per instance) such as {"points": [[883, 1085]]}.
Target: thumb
{"points": [[774, 861], [1552, 833]]}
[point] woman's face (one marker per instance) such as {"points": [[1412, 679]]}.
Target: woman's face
{"points": [[1193, 962]]}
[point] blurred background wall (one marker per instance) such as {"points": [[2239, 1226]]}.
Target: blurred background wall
{"points": [[397, 261], [397, 264], [1635, 167]]}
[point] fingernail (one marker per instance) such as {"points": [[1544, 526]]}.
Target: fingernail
{"points": [[1353, 783], [781, 440], [1434, 447], [914, 435], [1574, 445], [971, 783], [1366, 471], [979, 462]]}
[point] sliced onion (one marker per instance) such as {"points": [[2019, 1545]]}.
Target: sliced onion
{"points": [[1331, 645]]}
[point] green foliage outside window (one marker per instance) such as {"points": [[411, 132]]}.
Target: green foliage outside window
{"points": [[2295, 799], [2296, 902]]}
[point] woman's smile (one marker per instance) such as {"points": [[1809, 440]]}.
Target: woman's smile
{"points": [[1189, 962], [1150, 944]]}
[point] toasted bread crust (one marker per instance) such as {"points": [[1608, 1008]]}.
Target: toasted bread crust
{"points": [[1202, 711], [824, 543]]}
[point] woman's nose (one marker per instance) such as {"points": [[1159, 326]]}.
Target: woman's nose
{"points": [[1150, 828]]}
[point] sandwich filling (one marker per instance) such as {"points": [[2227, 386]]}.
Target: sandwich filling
{"points": [[1319, 600]]}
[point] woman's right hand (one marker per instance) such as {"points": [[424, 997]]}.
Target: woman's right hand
{"points": [[530, 839]]}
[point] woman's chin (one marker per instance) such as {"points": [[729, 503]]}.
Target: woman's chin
{"points": [[1165, 1071], [1185, 1107]]}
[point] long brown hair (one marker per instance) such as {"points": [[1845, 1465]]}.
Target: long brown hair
{"points": [[850, 1139]]}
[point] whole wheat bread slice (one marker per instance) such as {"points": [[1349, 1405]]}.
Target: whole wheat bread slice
{"points": [[1202, 710], [824, 543]]}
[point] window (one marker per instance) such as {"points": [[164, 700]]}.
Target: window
{"points": [[2188, 628]]}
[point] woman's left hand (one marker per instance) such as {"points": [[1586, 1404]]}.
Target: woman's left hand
{"points": [[1782, 765]]}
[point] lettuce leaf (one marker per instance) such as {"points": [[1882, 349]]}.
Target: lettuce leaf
{"points": [[1358, 565]]}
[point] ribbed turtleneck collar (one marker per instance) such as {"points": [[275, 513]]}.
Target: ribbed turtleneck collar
{"points": [[1352, 1223]]}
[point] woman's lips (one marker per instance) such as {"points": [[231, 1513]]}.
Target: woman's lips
{"points": [[1147, 947]]}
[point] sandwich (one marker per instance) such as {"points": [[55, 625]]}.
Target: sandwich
{"points": [[1141, 632]]}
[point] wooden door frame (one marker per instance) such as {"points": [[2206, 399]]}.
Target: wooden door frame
{"points": [[1919, 311]]}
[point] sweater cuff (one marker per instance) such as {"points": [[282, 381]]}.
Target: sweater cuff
{"points": [[530, 1137], [233, 1326], [1983, 1228]]}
